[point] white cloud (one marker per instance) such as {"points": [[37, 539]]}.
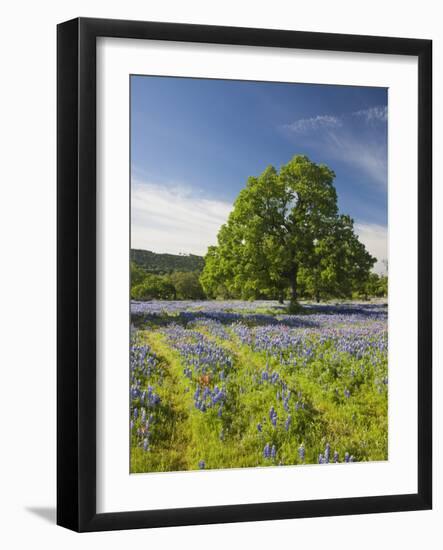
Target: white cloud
{"points": [[373, 114], [368, 156], [375, 238], [361, 148], [314, 123], [165, 219]]}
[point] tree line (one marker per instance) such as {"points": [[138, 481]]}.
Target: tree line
{"points": [[162, 264], [186, 285], [177, 285]]}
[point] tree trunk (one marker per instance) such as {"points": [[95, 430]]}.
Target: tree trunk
{"points": [[293, 282]]}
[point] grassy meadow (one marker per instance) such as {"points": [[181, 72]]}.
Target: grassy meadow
{"points": [[244, 384]]}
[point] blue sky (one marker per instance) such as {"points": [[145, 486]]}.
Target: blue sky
{"points": [[194, 142]]}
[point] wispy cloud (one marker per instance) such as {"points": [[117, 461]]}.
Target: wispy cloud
{"points": [[367, 155], [373, 114], [303, 125], [375, 238], [355, 138], [173, 219], [378, 113]]}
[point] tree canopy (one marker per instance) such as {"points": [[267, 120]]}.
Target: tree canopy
{"points": [[285, 233], [152, 287], [187, 285], [178, 285]]}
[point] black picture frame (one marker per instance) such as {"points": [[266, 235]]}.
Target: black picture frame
{"points": [[76, 279]]}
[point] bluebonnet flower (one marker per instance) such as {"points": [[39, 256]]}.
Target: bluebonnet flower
{"points": [[201, 464], [321, 460], [267, 451], [347, 393], [259, 428], [327, 453], [346, 457], [273, 416], [273, 451], [301, 452], [335, 457], [146, 444], [286, 403], [288, 422]]}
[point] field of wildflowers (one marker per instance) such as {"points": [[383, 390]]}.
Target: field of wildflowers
{"points": [[243, 384]]}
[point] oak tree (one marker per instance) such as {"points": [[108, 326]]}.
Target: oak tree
{"points": [[285, 230]]}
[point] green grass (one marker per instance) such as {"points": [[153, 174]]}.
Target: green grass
{"points": [[182, 435]]}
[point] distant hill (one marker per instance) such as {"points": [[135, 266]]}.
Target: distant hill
{"points": [[166, 263]]}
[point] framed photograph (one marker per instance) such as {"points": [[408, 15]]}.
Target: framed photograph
{"points": [[244, 274]]}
